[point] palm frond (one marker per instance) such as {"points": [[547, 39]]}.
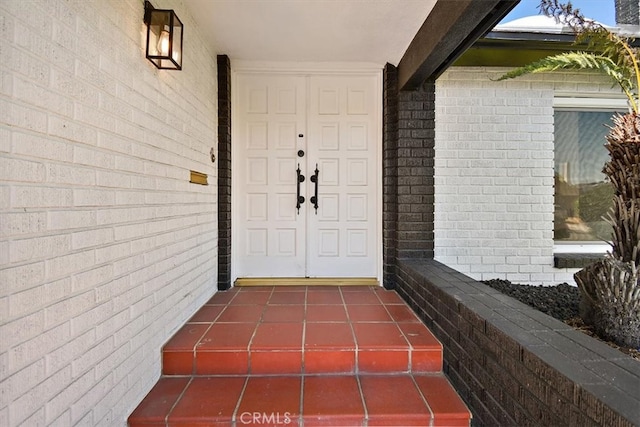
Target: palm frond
{"points": [[575, 61], [600, 40]]}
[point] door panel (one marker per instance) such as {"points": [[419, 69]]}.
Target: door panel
{"points": [[341, 140], [270, 114], [334, 120]]}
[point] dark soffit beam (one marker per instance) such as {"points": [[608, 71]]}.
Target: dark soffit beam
{"points": [[451, 28]]}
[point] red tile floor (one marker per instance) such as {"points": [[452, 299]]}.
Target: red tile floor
{"points": [[302, 356]]}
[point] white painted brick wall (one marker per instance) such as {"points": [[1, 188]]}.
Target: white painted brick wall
{"points": [[494, 172], [105, 247]]}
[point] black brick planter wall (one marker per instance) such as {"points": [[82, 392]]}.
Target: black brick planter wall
{"points": [[514, 365]]}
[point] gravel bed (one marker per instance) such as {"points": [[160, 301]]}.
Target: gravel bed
{"points": [[559, 301]]}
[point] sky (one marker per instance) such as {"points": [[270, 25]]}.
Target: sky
{"points": [[602, 11]]}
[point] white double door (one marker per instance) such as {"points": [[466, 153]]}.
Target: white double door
{"points": [[289, 220]]}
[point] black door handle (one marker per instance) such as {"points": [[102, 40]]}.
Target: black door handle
{"points": [[314, 198], [299, 198]]}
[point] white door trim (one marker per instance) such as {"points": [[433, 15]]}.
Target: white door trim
{"points": [[305, 69]]}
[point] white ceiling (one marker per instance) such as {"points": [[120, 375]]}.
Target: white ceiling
{"points": [[375, 31]]}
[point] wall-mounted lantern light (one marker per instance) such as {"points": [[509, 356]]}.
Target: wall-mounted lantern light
{"points": [[164, 37]]}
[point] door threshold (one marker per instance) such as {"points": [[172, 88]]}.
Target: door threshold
{"points": [[306, 281]]}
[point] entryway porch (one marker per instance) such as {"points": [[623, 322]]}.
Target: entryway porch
{"points": [[303, 355]]}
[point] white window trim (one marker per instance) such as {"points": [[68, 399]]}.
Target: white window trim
{"points": [[589, 102], [580, 248], [585, 102]]}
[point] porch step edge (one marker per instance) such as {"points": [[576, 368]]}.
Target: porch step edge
{"points": [[322, 400], [306, 281]]}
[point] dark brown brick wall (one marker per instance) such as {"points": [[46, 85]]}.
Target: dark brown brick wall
{"points": [[415, 160], [224, 172], [628, 12], [408, 169], [514, 365], [390, 174]]}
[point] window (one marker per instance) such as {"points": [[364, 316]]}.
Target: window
{"points": [[582, 196]]}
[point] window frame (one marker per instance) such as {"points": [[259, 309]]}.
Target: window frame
{"points": [[586, 102]]}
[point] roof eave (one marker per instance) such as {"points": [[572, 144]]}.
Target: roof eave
{"points": [[515, 49]]}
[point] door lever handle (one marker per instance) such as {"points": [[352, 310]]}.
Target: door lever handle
{"points": [[314, 198], [299, 198]]}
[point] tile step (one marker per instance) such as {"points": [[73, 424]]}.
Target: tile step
{"points": [[269, 330], [302, 400], [322, 361]]}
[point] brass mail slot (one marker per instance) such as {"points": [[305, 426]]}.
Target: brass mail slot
{"points": [[198, 178]]}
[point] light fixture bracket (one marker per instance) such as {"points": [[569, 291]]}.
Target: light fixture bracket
{"points": [[148, 8]]}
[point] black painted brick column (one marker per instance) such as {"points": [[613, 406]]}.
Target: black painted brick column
{"points": [[415, 172], [390, 175], [627, 12], [224, 172]]}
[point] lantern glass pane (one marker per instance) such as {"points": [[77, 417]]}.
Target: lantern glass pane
{"points": [[164, 39], [176, 52], [159, 20]]}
